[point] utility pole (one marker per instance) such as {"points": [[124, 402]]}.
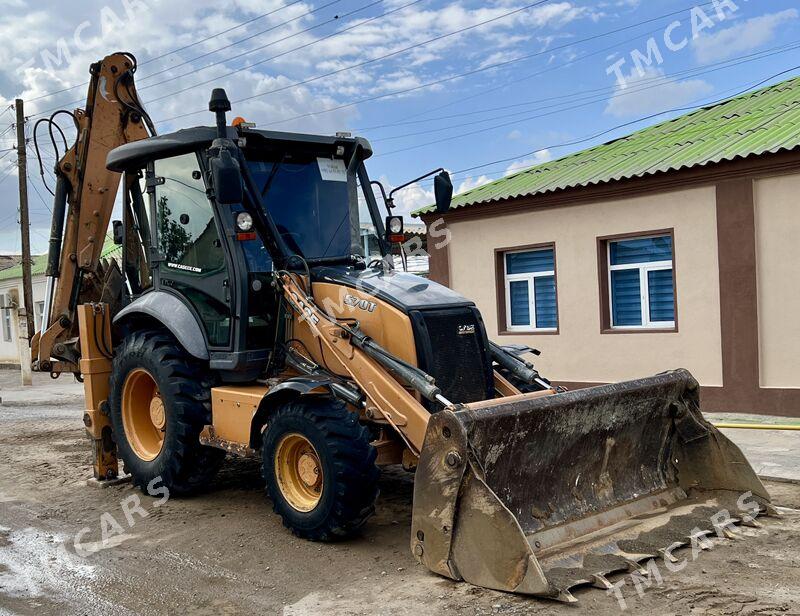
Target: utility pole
{"points": [[26, 327]]}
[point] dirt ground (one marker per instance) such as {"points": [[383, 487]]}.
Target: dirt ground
{"points": [[226, 552]]}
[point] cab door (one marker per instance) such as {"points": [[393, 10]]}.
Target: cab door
{"points": [[190, 256]]}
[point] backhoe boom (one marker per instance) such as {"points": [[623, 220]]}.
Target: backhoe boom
{"points": [[85, 195]]}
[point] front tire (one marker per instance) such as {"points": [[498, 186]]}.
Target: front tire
{"points": [[319, 469], [160, 400]]}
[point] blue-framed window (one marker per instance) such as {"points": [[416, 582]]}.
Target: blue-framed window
{"points": [[530, 287], [641, 285]]}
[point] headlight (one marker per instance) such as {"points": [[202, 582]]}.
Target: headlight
{"points": [[395, 224], [244, 222]]}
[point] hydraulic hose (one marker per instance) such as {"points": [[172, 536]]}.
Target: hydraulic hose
{"points": [[54, 248], [517, 367], [416, 378]]}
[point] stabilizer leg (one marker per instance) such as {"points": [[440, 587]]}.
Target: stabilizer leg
{"points": [[94, 322]]}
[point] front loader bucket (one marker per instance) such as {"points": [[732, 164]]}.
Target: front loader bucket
{"points": [[538, 494]]}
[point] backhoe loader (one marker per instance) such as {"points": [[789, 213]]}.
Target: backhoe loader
{"points": [[257, 311]]}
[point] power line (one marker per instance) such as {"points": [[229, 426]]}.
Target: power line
{"points": [[551, 50], [179, 49], [231, 29], [627, 92], [260, 62], [605, 89], [495, 65], [283, 53], [366, 62], [38, 194], [462, 99], [247, 38], [693, 108], [15, 216], [465, 173], [592, 96], [503, 171], [9, 172]]}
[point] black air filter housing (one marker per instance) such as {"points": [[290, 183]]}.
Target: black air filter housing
{"points": [[453, 348]]}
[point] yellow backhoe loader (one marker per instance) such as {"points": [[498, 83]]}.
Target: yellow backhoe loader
{"points": [[257, 311]]}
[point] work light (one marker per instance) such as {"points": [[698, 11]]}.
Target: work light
{"points": [[394, 229], [244, 221]]}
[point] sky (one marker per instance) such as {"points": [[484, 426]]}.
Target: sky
{"points": [[483, 89]]}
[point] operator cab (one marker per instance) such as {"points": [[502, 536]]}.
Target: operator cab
{"points": [[188, 232]]}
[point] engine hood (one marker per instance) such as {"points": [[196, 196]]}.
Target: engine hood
{"points": [[404, 291]]}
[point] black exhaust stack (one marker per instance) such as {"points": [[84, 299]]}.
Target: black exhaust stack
{"points": [[220, 105]]}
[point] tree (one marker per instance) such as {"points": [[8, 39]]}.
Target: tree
{"points": [[172, 237]]}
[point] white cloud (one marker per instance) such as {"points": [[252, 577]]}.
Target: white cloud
{"points": [[643, 96], [557, 15], [421, 194], [497, 57], [410, 198], [542, 156], [744, 36], [470, 183]]}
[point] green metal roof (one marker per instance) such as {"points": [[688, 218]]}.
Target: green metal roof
{"points": [[110, 251], [759, 122]]}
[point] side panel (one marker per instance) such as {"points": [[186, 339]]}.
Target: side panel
{"points": [[385, 324], [233, 409], [174, 315]]}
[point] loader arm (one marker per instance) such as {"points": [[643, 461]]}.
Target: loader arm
{"points": [[386, 397], [84, 199]]}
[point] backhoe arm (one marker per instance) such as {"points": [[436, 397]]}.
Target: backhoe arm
{"points": [[84, 199], [386, 398]]}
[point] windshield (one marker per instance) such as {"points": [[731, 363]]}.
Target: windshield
{"points": [[315, 205]]}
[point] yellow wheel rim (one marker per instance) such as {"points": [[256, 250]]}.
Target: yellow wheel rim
{"points": [[298, 472], [143, 415]]}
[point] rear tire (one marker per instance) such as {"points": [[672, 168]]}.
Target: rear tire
{"points": [[160, 400], [319, 469]]}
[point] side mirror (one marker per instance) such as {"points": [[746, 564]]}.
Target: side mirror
{"points": [[117, 232], [443, 189], [227, 178]]}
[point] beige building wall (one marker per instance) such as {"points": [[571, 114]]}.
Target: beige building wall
{"points": [[9, 344], [580, 353], [777, 213]]}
